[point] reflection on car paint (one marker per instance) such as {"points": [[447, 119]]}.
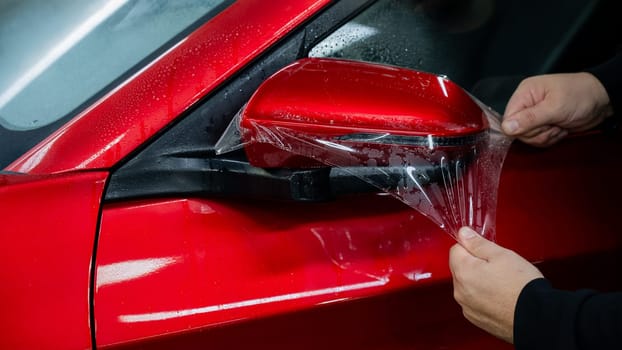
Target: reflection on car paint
{"points": [[236, 259], [165, 315], [132, 269]]}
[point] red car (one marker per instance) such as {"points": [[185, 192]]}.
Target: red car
{"points": [[122, 227]]}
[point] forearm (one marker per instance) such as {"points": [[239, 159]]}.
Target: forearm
{"points": [[546, 318]]}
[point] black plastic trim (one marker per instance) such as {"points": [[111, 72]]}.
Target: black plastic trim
{"points": [[419, 141], [197, 175], [181, 161]]}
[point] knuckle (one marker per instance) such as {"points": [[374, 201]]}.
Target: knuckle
{"points": [[526, 83]]}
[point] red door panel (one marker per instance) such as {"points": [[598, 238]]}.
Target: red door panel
{"points": [[207, 262], [47, 238], [208, 270], [562, 201]]}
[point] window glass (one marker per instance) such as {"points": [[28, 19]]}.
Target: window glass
{"points": [[57, 54]]}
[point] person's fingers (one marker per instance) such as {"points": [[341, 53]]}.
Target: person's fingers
{"points": [[476, 245], [457, 255], [525, 96], [458, 290], [537, 131], [546, 138], [525, 120]]}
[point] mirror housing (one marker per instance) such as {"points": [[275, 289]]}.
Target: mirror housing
{"points": [[355, 102]]}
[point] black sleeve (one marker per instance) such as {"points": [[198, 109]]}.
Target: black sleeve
{"points": [[610, 75], [547, 318]]}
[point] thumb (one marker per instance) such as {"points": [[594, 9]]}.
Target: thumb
{"points": [[525, 120], [475, 244]]}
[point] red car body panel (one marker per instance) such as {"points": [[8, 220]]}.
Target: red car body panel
{"points": [[214, 262], [331, 96], [196, 272], [218, 263], [137, 109], [325, 99], [46, 261], [574, 186]]}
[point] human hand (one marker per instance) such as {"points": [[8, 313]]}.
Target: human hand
{"points": [[487, 282], [545, 108]]}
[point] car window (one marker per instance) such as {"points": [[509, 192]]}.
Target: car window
{"points": [[57, 57], [56, 54]]}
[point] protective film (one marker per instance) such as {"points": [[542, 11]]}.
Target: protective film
{"points": [[414, 135]]}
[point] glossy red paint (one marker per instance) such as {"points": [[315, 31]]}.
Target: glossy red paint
{"points": [[47, 249], [130, 114], [339, 96], [562, 202], [215, 262], [406, 319], [326, 99], [222, 267], [362, 271], [413, 318]]}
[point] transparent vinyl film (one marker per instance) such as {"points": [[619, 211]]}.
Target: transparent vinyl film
{"points": [[450, 180], [453, 181]]}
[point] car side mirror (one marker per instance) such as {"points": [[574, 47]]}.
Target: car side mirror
{"points": [[349, 104]]}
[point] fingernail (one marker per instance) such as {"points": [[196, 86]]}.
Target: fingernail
{"points": [[466, 233], [510, 126]]}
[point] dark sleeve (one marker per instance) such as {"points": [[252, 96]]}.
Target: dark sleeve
{"points": [[547, 318], [610, 75]]}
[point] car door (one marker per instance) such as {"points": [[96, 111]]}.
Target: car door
{"points": [[81, 90], [59, 59], [196, 249], [47, 236]]}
